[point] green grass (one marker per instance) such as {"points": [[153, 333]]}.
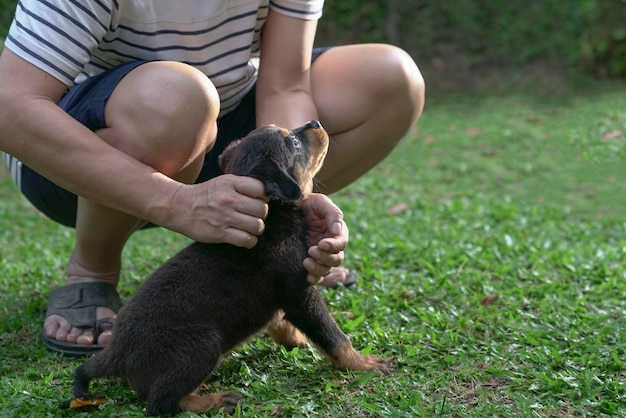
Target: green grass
{"points": [[491, 247]]}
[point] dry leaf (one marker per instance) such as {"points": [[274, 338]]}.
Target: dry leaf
{"points": [[438, 64], [489, 300], [78, 403], [612, 135], [474, 132], [399, 208]]}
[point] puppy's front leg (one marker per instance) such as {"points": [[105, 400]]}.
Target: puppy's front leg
{"points": [[309, 314]]}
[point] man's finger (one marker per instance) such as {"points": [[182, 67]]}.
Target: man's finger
{"points": [[314, 268], [240, 238], [250, 187], [333, 245]]}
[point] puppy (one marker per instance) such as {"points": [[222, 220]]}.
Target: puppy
{"points": [[210, 297]]}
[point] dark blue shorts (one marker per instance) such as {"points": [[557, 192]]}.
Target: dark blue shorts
{"points": [[85, 103]]}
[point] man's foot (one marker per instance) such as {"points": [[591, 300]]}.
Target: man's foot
{"points": [[60, 329], [339, 276], [79, 317]]}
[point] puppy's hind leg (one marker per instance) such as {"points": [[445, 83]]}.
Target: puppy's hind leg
{"points": [[172, 393], [311, 316], [284, 332], [172, 401], [226, 401]]}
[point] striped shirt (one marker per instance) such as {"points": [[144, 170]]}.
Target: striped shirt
{"points": [[74, 39]]}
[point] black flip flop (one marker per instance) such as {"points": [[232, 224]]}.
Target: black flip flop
{"points": [[350, 280], [348, 283], [77, 303]]}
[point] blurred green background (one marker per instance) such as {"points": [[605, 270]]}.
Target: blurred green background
{"points": [[465, 45], [459, 42]]}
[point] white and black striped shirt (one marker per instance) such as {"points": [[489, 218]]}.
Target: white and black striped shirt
{"points": [[74, 39]]}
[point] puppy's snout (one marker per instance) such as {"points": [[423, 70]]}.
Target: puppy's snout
{"points": [[315, 124]]}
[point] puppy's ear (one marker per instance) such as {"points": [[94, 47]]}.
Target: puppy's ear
{"points": [[278, 183], [226, 155]]}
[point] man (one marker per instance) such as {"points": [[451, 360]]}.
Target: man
{"points": [[114, 113]]}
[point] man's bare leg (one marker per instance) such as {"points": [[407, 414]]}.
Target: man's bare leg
{"points": [[367, 97], [164, 115]]}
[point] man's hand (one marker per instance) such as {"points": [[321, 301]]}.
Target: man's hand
{"points": [[226, 209], [327, 236]]}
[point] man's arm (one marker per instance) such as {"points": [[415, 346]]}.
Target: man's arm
{"points": [[284, 85], [38, 132], [284, 98]]}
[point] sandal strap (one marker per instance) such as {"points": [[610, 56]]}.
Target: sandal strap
{"points": [[97, 328], [77, 302]]}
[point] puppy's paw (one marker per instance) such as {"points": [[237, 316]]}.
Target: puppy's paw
{"points": [[347, 358], [384, 366], [224, 401], [227, 402], [367, 363]]}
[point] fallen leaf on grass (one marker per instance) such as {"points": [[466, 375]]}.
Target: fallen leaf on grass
{"points": [[399, 208], [474, 132], [612, 135], [489, 300], [85, 404]]}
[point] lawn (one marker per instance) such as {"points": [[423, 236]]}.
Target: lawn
{"points": [[491, 248]]}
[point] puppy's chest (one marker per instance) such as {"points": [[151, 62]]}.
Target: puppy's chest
{"points": [[284, 237]]}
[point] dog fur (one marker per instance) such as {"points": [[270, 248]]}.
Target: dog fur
{"points": [[210, 297]]}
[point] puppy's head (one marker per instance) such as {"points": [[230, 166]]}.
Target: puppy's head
{"points": [[283, 160]]}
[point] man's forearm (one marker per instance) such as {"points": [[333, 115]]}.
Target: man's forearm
{"points": [[37, 129]]}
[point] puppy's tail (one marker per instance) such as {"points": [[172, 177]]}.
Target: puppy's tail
{"points": [[82, 377], [85, 373]]}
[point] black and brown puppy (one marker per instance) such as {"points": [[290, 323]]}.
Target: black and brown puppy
{"points": [[209, 297]]}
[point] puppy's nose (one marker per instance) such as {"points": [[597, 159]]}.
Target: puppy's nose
{"points": [[315, 124]]}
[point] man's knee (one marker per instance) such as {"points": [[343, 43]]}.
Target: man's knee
{"points": [[164, 114], [171, 90], [402, 82]]}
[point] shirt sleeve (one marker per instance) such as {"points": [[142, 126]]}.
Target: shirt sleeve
{"points": [[301, 9], [58, 36]]}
